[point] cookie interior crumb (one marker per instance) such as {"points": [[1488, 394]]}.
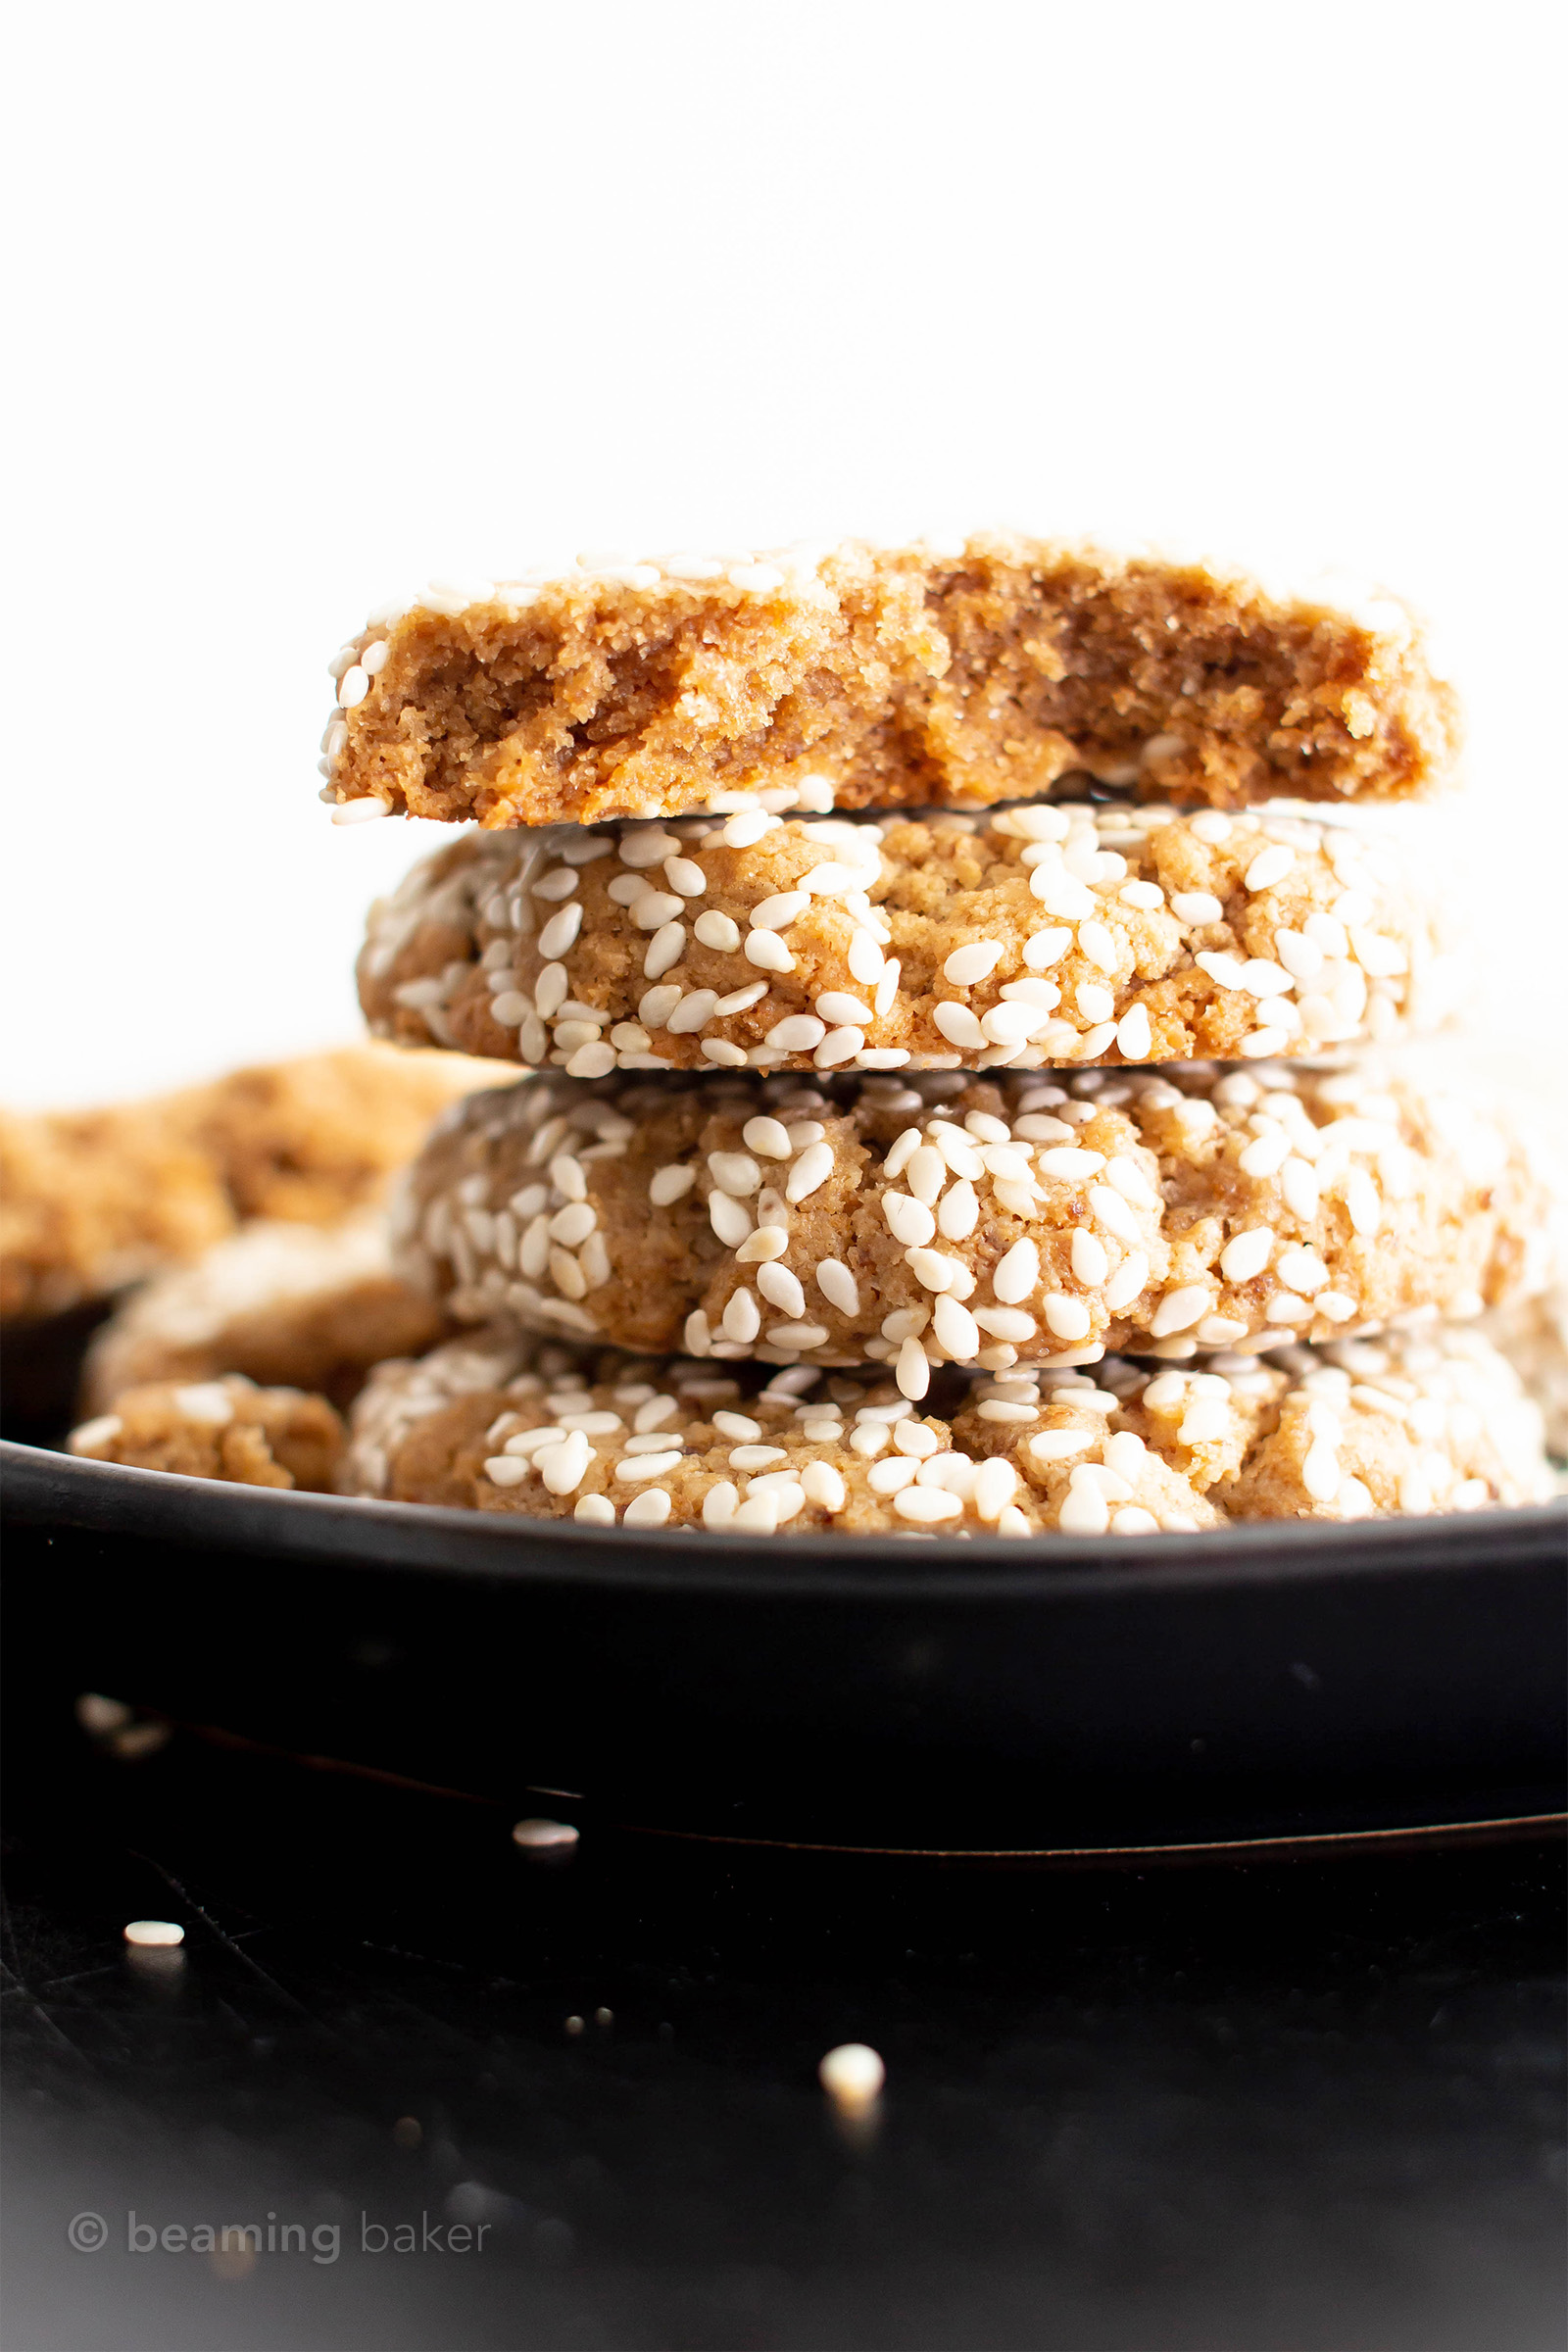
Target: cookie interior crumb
{"points": [[902, 677]]}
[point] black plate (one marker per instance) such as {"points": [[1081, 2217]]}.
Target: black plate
{"points": [[1270, 1683]]}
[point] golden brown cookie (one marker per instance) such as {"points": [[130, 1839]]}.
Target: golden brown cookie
{"points": [[223, 1429], [979, 1220], [93, 1200], [1075, 933], [1414, 1422], [878, 677], [296, 1306]]}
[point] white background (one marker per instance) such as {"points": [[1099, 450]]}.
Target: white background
{"points": [[318, 301]]}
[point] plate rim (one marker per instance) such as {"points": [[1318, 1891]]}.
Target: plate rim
{"points": [[43, 1486]]}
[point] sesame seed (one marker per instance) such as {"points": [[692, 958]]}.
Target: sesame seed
{"points": [[1016, 1274], [1045, 947], [811, 1170], [1090, 1263], [1265, 1155], [651, 1508], [960, 1025], [566, 1274], [1056, 1445], [927, 1506], [839, 1045], [670, 1184], [798, 1033], [1067, 1318], [839, 1009], [1320, 1471], [1011, 1022], [1070, 1161], [716, 930], [908, 1220], [1248, 1254], [781, 1288], [592, 1061], [636, 1469], [767, 1241], [824, 1486], [742, 1319], [865, 958], [735, 1172], [729, 1220], [774, 913], [912, 1370], [657, 1004], [562, 930], [1098, 945], [1082, 1511], [692, 1011], [1269, 867], [955, 1328], [741, 830], [1069, 900], [573, 1223], [767, 951], [1134, 1036], [838, 1286], [1302, 1269], [972, 962], [1179, 1309], [158, 1934], [664, 950]]}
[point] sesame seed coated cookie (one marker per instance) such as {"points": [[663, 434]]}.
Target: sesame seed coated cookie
{"points": [[297, 1306], [1076, 933], [900, 677], [976, 1220], [223, 1429], [1434, 1421]]}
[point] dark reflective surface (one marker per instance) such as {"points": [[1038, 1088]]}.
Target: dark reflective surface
{"points": [[1308, 2106]]}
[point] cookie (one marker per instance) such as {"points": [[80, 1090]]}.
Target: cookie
{"points": [[878, 677], [223, 1429], [1070, 934], [311, 1139], [977, 1220], [295, 1306], [499, 1422], [93, 1200]]}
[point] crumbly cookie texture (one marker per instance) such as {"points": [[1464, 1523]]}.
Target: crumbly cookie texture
{"points": [[496, 1422], [223, 1429], [93, 1200], [311, 1139], [293, 1307], [974, 1220], [878, 677], [1073, 934]]}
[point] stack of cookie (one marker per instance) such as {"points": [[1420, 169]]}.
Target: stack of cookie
{"points": [[946, 1014]]}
